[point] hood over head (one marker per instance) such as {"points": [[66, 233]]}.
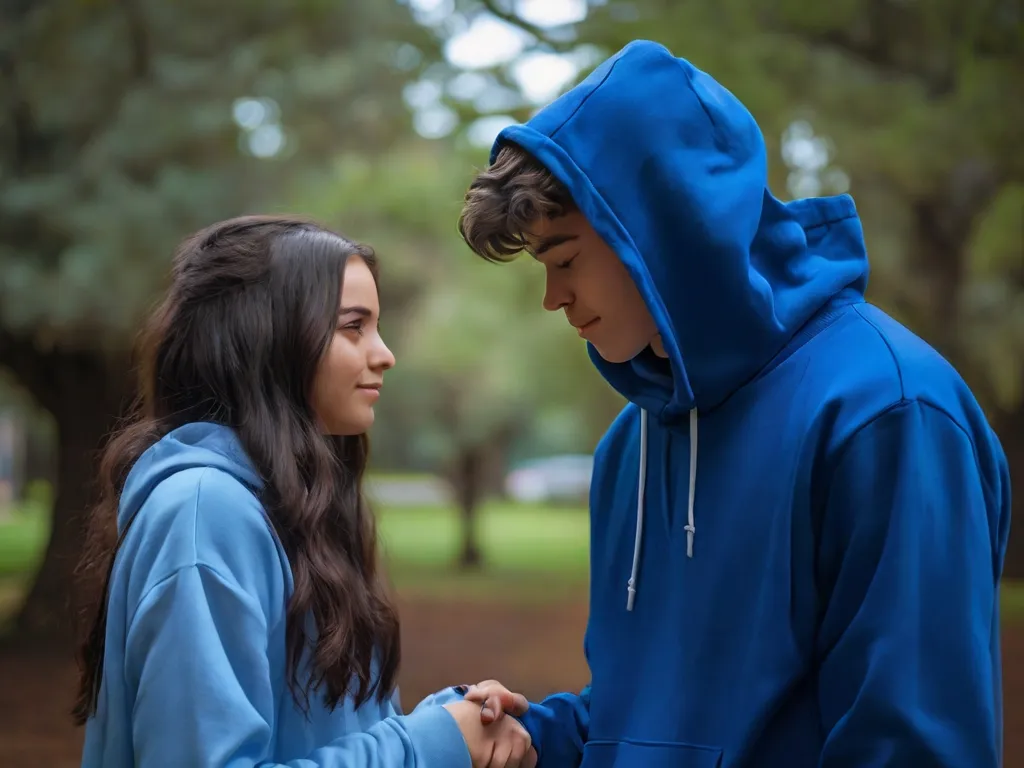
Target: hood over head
{"points": [[671, 170]]}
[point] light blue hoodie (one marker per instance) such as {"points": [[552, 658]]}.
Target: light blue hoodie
{"points": [[798, 523], [194, 669]]}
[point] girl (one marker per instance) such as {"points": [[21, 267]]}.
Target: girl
{"points": [[241, 618]]}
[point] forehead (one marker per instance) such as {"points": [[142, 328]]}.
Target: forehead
{"points": [[547, 233], [358, 285]]}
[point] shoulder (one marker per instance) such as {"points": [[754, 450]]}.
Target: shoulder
{"points": [[617, 439], [868, 364], [625, 426], [203, 516], [885, 354]]}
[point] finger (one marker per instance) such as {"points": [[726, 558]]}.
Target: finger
{"points": [[521, 745], [483, 688], [530, 760], [504, 701], [485, 685], [515, 703], [495, 700], [495, 704], [479, 695], [498, 700], [500, 758], [487, 713]]}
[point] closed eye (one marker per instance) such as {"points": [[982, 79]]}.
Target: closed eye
{"points": [[356, 326], [565, 264]]}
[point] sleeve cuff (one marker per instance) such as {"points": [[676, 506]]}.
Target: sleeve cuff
{"points": [[437, 738], [445, 696]]}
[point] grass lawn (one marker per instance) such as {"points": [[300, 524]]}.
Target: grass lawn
{"points": [[531, 553]]}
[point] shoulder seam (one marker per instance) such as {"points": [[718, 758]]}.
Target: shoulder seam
{"points": [[196, 565], [195, 515], [196, 562], [888, 346], [266, 522], [905, 403]]}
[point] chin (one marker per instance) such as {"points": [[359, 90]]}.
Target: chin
{"points": [[352, 426], [615, 355]]}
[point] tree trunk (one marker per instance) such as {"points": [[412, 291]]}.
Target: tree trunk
{"points": [[943, 226], [1011, 434], [468, 483], [478, 474], [85, 394]]}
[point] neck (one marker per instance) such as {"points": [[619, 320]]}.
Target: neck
{"points": [[657, 347]]}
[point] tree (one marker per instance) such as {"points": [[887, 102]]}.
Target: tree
{"points": [[124, 126], [915, 107]]}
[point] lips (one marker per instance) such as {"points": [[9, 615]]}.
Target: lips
{"points": [[372, 390], [582, 329]]}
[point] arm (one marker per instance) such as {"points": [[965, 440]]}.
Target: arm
{"points": [[442, 698], [197, 655], [559, 726], [909, 562]]}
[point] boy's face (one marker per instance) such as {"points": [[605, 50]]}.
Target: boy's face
{"points": [[588, 281]]}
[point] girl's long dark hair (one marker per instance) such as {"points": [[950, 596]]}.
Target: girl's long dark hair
{"points": [[251, 309]]}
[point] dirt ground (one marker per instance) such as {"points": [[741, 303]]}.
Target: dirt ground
{"points": [[538, 649]]}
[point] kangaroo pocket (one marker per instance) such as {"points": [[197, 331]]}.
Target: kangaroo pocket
{"points": [[640, 754]]}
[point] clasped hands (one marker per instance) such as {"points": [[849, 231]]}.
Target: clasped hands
{"points": [[494, 741]]}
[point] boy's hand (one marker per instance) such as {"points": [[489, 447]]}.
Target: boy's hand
{"points": [[496, 700], [498, 745]]}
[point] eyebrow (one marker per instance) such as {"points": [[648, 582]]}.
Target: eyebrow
{"points": [[361, 311], [548, 243]]}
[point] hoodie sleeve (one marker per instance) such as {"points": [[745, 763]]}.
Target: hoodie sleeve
{"points": [[909, 567], [197, 656], [558, 727]]}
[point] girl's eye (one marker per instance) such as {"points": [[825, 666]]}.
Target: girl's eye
{"points": [[565, 264], [357, 327]]}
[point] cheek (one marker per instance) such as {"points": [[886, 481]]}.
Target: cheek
{"points": [[632, 323], [338, 373]]}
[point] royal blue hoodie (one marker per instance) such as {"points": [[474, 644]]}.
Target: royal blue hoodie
{"points": [[798, 522], [194, 671]]}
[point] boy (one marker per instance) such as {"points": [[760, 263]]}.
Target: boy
{"points": [[799, 520]]}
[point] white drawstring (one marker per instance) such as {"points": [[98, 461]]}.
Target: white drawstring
{"points": [[690, 528], [631, 587]]}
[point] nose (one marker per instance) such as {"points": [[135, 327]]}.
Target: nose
{"points": [[381, 358], [556, 294]]}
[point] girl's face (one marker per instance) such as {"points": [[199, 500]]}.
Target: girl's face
{"points": [[350, 375]]}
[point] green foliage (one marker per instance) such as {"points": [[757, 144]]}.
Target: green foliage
{"points": [[918, 105], [124, 126], [23, 536]]}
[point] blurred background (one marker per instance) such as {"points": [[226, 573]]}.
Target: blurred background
{"points": [[127, 124]]}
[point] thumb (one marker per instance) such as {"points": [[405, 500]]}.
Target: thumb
{"points": [[500, 702], [514, 703]]}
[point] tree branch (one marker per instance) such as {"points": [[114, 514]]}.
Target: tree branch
{"points": [[882, 32], [538, 33], [879, 57], [138, 38]]}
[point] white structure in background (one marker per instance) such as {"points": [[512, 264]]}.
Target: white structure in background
{"points": [[554, 479]]}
